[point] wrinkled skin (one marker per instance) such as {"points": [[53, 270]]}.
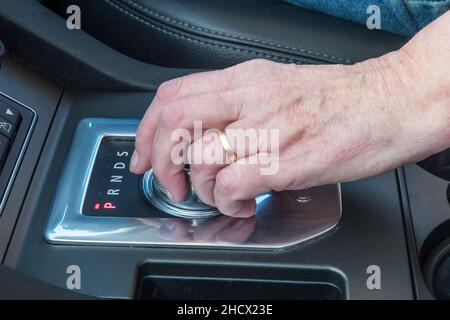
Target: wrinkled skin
{"points": [[336, 123]]}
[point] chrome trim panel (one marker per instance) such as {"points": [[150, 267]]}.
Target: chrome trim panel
{"points": [[21, 154], [281, 220]]}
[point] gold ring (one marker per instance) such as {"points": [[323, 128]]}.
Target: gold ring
{"points": [[226, 145]]}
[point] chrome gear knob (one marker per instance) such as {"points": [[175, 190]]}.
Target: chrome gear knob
{"points": [[191, 207]]}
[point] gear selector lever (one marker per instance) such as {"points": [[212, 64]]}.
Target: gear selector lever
{"points": [[191, 206]]}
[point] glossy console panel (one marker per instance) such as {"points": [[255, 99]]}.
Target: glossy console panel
{"points": [[371, 232], [428, 190], [283, 219]]}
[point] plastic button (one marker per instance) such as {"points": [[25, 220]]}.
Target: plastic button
{"points": [[9, 113], [7, 128]]}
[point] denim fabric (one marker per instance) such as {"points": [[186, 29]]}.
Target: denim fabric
{"points": [[404, 17]]}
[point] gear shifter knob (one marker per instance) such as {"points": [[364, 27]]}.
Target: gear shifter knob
{"points": [[191, 207]]}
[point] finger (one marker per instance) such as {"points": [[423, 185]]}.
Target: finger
{"points": [[206, 158], [237, 209], [170, 174], [244, 137], [238, 184], [217, 80], [168, 92], [175, 120], [207, 155]]}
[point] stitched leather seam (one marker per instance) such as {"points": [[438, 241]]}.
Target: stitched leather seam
{"points": [[182, 37], [234, 36]]}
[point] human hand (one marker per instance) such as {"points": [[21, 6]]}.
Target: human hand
{"points": [[336, 124]]}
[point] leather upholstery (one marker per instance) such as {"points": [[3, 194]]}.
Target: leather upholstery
{"points": [[220, 33]]}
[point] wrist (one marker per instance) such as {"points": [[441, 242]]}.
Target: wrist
{"points": [[415, 101], [428, 55], [423, 93]]}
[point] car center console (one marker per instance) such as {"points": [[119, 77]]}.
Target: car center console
{"points": [[68, 202], [59, 214]]}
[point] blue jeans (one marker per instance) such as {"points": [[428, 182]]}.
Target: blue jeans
{"points": [[404, 17]]}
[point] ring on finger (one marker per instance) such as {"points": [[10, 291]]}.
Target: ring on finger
{"points": [[227, 145]]}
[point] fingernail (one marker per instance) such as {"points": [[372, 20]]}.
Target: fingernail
{"points": [[134, 161]]}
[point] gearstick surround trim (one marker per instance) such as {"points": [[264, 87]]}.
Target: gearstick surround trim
{"points": [[281, 221]]}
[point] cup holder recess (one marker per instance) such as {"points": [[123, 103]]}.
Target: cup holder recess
{"points": [[436, 270], [438, 164], [186, 281], [435, 256]]}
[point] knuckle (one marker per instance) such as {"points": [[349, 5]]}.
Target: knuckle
{"points": [[225, 183], [169, 89], [279, 184], [228, 76], [230, 101], [172, 116], [226, 211], [229, 211]]}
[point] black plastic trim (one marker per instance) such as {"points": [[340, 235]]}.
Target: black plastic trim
{"points": [[18, 286], [40, 37], [2, 50]]}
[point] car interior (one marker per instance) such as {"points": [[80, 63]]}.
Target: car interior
{"points": [[70, 102]]}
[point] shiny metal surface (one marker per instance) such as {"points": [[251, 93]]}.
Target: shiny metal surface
{"points": [[191, 207], [302, 196], [280, 221]]}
